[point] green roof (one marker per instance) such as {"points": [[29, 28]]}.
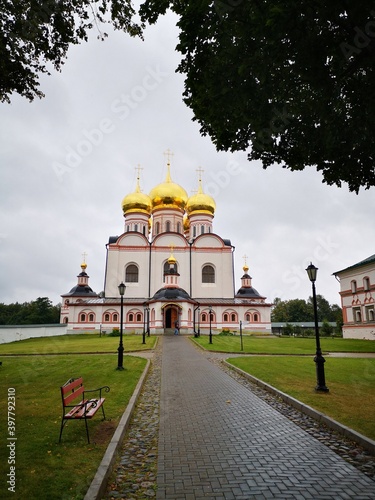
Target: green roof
{"points": [[369, 260]]}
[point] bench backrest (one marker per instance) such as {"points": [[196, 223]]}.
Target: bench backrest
{"points": [[71, 390]]}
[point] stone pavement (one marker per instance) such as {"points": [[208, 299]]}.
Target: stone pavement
{"points": [[218, 440]]}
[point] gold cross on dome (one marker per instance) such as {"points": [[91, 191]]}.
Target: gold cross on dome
{"points": [[84, 255], [168, 154], [200, 170]]}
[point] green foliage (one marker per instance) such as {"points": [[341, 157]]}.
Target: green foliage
{"points": [[326, 329], [225, 333], [36, 36], [299, 310], [254, 82], [38, 312], [114, 333]]}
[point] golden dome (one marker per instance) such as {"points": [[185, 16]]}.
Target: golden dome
{"points": [[200, 202], [136, 202], [168, 194], [186, 222], [83, 266]]}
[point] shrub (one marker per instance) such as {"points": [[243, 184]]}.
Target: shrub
{"points": [[114, 333]]}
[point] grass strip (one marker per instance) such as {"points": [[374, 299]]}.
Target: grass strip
{"points": [[44, 468]]}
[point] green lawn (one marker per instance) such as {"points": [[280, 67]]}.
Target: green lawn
{"points": [[283, 345], [47, 470], [77, 343], [351, 383]]}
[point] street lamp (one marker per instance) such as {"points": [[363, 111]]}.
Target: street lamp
{"points": [[121, 289], [144, 324], [319, 360], [210, 309], [148, 320]]}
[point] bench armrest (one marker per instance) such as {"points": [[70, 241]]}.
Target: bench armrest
{"points": [[105, 388]]}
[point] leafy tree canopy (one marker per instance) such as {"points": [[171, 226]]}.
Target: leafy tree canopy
{"points": [[36, 33], [38, 312], [290, 82], [299, 310]]}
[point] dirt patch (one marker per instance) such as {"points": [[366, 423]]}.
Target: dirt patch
{"points": [[104, 432]]}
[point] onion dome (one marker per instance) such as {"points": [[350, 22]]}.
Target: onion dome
{"points": [[136, 202], [168, 194], [200, 202]]}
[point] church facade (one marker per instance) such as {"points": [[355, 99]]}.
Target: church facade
{"points": [[177, 272]]}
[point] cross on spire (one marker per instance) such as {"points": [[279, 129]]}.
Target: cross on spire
{"points": [[200, 170], [245, 257], [168, 154], [84, 255]]}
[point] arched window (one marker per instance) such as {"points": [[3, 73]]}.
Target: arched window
{"points": [[202, 229], [91, 317], [179, 227], [144, 230], [248, 317], [82, 317], [136, 227], [353, 285], [168, 226], [131, 274], [366, 284], [106, 317], [131, 317], [65, 320], [225, 318], [208, 274], [194, 231], [139, 318], [256, 317], [115, 317], [233, 317], [157, 228], [204, 317]]}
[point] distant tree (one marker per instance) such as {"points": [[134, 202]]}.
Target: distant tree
{"points": [[40, 311], [299, 310], [326, 329]]}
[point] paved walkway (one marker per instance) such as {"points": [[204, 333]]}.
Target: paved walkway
{"points": [[219, 440]]}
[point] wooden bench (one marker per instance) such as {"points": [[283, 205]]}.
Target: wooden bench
{"points": [[86, 408]]}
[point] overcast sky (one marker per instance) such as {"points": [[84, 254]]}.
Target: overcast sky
{"points": [[68, 160]]}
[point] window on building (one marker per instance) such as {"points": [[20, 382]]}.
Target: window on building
{"points": [[65, 320], [233, 318], [202, 229], [168, 226], [208, 274], [115, 317], [357, 315], [370, 313], [139, 318], [136, 227], [91, 317], [179, 227], [131, 274], [226, 318], [131, 317], [354, 286], [157, 228], [204, 318], [248, 317], [194, 231], [366, 284], [256, 317], [82, 317], [106, 317], [144, 230]]}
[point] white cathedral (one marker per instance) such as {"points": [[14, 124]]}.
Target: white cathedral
{"points": [[177, 272]]}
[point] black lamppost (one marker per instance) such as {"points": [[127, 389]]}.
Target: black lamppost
{"points": [[144, 324], [319, 360], [210, 309], [148, 320], [121, 289]]}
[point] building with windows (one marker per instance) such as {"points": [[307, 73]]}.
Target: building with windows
{"points": [[357, 290], [176, 269]]}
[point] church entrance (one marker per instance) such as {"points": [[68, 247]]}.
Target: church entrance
{"points": [[171, 316]]}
